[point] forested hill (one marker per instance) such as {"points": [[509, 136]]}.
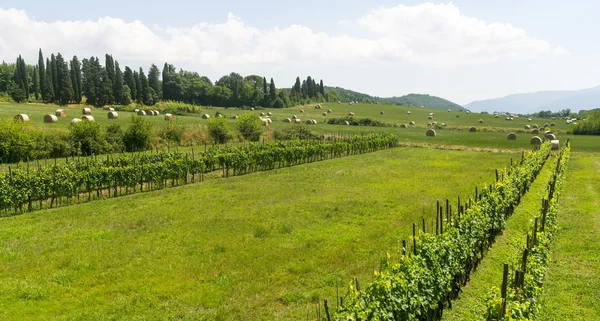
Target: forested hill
{"points": [[406, 100]]}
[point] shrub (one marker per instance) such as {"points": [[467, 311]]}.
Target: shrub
{"points": [[219, 130], [250, 126], [137, 135], [173, 132], [86, 138], [114, 138], [295, 132], [16, 141]]}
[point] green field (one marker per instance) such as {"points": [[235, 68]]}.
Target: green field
{"points": [[256, 247]]}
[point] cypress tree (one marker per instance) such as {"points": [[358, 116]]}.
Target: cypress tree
{"points": [[272, 91], [304, 89], [309, 87], [49, 84], [42, 75], [106, 88], [314, 88], [297, 86], [118, 84], [322, 88], [146, 96], [265, 90], [130, 82], [54, 77], [166, 95], [109, 66], [76, 80], [140, 91], [36, 83], [65, 88], [153, 80]]}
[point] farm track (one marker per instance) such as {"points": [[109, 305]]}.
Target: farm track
{"points": [[572, 288], [470, 304]]}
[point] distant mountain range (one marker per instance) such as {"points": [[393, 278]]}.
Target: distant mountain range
{"points": [[406, 100], [575, 100]]}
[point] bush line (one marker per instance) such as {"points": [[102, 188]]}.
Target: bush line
{"points": [[426, 279], [517, 298]]}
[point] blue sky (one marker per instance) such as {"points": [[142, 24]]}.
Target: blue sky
{"points": [[463, 50]]}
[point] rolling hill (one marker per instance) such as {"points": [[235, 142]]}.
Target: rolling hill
{"points": [[575, 100]]}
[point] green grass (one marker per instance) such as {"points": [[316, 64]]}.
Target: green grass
{"points": [[492, 132], [258, 247], [572, 288], [471, 305]]}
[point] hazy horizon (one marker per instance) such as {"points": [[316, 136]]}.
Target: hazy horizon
{"points": [[462, 51]]}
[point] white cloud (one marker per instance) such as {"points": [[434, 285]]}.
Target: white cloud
{"points": [[426, 34]]}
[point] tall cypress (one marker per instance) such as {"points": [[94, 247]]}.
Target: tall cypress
{"points": [[310, 87], [109, 66], [321, 88], [130, 82], [314, 88], [76, 79], [20, 77], [297, 86], [272, 91], [54, 76], [118, 84], [265, 90], [166, 95], [146, 97], [140, 91], [36, 83], [49, 84], [153, 80], [65, 88], [42, 75]]}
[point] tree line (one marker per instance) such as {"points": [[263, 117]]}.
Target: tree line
{"points": [[62, 81]]}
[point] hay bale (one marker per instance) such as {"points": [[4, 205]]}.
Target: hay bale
{"points": [[444, 125], [381, 113], [86, 111], [314, 121], [265, 122], [546, 125], [87, 118], [234, 117], [150, 113], [324, 114], [552, 124], [301, 110], [136, 110], [309, 122], [403, 126], [434, 123], [350, 114], [412, 123], [113, 115], [550, 136], [50, 118], [555, 144], [535, 131], [449, 110], [156, 113], [430, 133], [511, 136], [297, 121], [111, 109], [294, 117], [75, 121], [429, 124], [169, 116], [408, 112], [60, 113], [535, 140], [21, 117], [480, 121], [528, 119], [347, 123], [262, 114], [329, 111], [527, 127], [287, 120], [496, 116], [431, 114], [472, 129], [141, 113], [535, 126], [269, 114], [429, 117], [205, 116], [269, 120], [457, 116]]}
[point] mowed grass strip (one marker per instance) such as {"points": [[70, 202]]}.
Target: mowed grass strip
{"points": [[572, 288], [257, 247], [471, 305]]}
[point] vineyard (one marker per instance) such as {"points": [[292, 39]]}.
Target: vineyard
{"points": [[24, 188]]}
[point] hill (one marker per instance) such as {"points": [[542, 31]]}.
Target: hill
{"points": [[406, 100], [543, 100]]}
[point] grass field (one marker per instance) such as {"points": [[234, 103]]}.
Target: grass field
{"points": [[572, 289], [471, 304], [491, 134], [256, 247]]}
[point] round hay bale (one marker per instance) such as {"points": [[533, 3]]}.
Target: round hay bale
{"points": [[86, 111], [136, 110], [324, 114], [535, 126], [269, 114], [527, 127], [552, 124], [412, 123], [314, 121], [21, 117], [511, 136], [381, 113], [403, 126], [449, 110], [297, 121], [50, 118], [156, 113], [301, 110], [535, 131], [434, 123], [262, 114], [169, 116], [550, 136], [287, 120], [141, 113], [150, 113], [430, 133], [269, 120], [480, 121], [87, 118], [75, 121], [309, 122], [457, 116], [444, 125], [528, 119], [205, 116], [430, 117], [347, 123], [111, 109], [472, 129], [408, 112], [555, 144], [60, 113], [219, 115], [431, 114], [329, 111], [294, 117], [429, 124], [546, 125], [350, 114], [496, 116], [234, 117], [535, 140], [265, 122], [113, 115]]}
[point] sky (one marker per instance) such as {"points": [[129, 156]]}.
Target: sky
{"points": [[463, 50]]}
